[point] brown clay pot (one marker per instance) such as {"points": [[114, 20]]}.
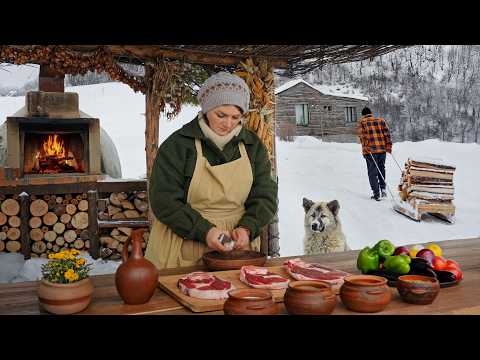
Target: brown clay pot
{"points": [[309, 298], [136, 277], [65, 298], [417, 289], [365, 293], [250, 302]]}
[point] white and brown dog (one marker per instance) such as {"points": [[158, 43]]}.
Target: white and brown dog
{"points": [[323, 230]]}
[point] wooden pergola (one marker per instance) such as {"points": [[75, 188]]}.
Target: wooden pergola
{"points": [[168, 69]]}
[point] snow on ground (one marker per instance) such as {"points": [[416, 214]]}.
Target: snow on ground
{"points": [[307, 167]]}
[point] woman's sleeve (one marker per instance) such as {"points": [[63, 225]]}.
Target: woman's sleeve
{"points": [[262, 202], [167, 194]]}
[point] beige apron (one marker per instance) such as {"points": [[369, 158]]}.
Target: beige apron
{"points": [[218, 193]]}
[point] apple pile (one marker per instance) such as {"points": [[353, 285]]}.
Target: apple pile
{"points": [[432, 253]]}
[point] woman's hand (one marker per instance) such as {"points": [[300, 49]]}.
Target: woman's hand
{"points": [[212, 239], [241, 236]]}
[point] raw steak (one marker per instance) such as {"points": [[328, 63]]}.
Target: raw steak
{"points": [[203, 285], [260, 277], [301, 270]]}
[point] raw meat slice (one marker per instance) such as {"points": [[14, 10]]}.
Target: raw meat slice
{"points": [[203, 285], [261, 278], [301, 270]]}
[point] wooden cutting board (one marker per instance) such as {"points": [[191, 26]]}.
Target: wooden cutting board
{"points": [[169, 285]]}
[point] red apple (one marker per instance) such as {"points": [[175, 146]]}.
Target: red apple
{"points": [[426, 254], [439, 263], [401, 250], [452, 263]]}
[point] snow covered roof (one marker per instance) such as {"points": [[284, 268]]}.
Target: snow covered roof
{"points": [[333, 90]]}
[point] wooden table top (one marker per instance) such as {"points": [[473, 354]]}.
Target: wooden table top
{"points": [[21, 298]]}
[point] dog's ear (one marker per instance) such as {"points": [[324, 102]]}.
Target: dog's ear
{"points": [[334, 206], [307, 204]]}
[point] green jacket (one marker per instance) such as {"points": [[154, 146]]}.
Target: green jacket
{"points": [[173, 170]]}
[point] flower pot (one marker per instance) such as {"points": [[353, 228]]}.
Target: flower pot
{"points": [[365, 293], [309, 298], [65, 298]]}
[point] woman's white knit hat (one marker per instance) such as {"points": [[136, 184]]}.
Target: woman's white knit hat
{"points": [[224, 88]]}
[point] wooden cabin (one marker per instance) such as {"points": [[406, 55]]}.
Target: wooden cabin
{"points": [[317, 110]]}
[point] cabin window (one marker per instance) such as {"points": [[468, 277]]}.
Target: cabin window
{"points": [[327, 108], [301, 114], [350, 114]]}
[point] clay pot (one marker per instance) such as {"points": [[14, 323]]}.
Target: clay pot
{"points": [[417, 289], [365, 293], [309, 298], [250, 302], [65, 298], [136, 278]]}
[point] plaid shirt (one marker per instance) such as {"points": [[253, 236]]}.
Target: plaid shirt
{"points": [[374, 135]]}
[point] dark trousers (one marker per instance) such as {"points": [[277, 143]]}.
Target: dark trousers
{"points": [[374, 177]]}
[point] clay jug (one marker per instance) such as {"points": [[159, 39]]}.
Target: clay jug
{"points": [[365, 293], [309, 298], [250, 302], [136, 277]]}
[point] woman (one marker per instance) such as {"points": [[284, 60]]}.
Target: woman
{"points": [[212, 176]]}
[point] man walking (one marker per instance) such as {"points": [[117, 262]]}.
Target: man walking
{"points": [[376, 142]]}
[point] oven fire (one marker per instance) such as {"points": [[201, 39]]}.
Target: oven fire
{"points": [[54, 158]]}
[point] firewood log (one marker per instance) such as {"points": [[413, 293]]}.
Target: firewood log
{"points": [[127, 205], [106, 240], [74, 202], [120, 248], [50, 236], [55, 248], [85, 235], [59, 209], [69, 226], [36, 234], [78, 232], [5, 228], [68, 197], [78, 197], [71, 209], [113, 244], [83, 205], [80, 220], [46, 197], [33, 197], [140, 205], [10, 207], [3, 219], [45, 229], [65, 202], [3, 236], [50, 218], [2, 197], [130, 214], [15, 196], [39, 247], [13, 246], [70, 236], [59, 199], [14, 221], [120, 238], [115, 232], [142, 195], [103, 216], [38, 208], [65, 218], [35, 222], [59, 227], [119, 216], [79, 244], [112, 210], [114, 199], [126, 230], [13, 234], [87, 244], [51, 203], [49, 246], [60, 241], [2, 245]]}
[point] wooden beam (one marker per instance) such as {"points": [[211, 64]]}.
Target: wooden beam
{"points": [[148, 52], [24, 232], [93, 224]]}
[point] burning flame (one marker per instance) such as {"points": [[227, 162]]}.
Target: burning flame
{"points": [[53, 146]]}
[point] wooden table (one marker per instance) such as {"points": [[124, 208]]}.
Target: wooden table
{"points": [[21, 298]]}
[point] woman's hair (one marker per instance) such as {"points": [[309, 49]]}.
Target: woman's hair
{"points": [[366, 111]]}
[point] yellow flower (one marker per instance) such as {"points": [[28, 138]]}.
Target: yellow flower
{"points": [[80, 262], [51, 256], [71, 275]]}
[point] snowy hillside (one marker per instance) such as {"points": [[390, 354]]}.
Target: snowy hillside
{"points": [[307, 168]]}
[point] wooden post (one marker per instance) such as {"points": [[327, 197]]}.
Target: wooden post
{"points": [[24, 232], [93, 224]]}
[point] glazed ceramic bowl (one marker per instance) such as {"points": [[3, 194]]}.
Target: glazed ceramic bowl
{"points": [[418, 289], [250, 302], [365, 293], [233, 260], [309, 298]]}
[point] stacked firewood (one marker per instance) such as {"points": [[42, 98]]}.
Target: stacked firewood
{"points": [[58, 222], [428, 186], [9, 224], [113, 241], [124, 205]]}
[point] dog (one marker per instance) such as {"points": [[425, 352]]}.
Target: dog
{"points": [[323, 230]]}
